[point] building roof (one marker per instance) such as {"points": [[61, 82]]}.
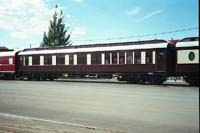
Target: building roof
{"points": [[2, 48]]}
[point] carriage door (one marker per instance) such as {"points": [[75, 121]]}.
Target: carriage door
{"points": [[171, 59], [160, 60]]}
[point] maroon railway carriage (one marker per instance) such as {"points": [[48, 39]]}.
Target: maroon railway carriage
{"points": [[137, 62], [7, 64], [187, 64]]}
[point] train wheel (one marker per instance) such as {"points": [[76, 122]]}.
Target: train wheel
{"points": [[8, 77], [50, 78], [29, 77], [156, 80], [43, 78], [192, 80], [36, 77]]}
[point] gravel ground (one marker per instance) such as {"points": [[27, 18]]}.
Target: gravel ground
{"points": [[99, 106], [19, 124]]}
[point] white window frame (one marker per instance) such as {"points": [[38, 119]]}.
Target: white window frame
{"points": [[103, 58], [67, 59], [154, 57], [143, 57], [10, 61], [30, 60], [1, 60], [88, 59], [53, 60], [41, 60], [75, 59]]}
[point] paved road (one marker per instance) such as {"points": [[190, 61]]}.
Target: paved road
{"points": [[116, 106]]}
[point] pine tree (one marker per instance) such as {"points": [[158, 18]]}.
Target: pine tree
{"points": [[56, 35]]}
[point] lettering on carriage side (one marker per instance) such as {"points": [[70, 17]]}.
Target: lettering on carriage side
{"points": [[188, 56]]}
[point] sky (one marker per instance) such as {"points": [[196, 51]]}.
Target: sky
{"points": [[23, 22]]}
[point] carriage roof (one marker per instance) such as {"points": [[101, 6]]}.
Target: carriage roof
{"points": [[150, 44]]}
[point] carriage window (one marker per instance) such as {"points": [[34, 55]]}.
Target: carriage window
{"points": [[71, 59], [26, 60], [10, 61], [129, 58], [149, 57], [137, 58], [114, 58], [160, 60], [82, 59], [160, 55], [21, 61], [98, 55], [47, 60], [36, 60], [107, 58], [60, 59], [0, 61], [96, 58], [121, 58]]}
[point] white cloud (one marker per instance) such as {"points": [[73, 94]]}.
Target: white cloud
{"points": [[19, 34], [78, 31], [68, 16], [134, 11], [24, 19], [149, 15], [78, 0]]}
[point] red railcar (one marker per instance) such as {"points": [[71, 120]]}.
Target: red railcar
{"points": [[7, 64]]}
